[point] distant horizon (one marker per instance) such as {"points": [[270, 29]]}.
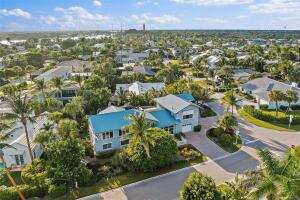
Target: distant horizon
{"points": [[75, 15]]}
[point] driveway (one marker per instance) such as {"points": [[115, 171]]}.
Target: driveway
{"points": [[221, 166]]}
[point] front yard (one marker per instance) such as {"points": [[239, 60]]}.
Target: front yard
{"points": [[126, 178]]}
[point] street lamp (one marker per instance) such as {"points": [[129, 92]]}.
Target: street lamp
{"points": [[291, 120], [237, 132]]}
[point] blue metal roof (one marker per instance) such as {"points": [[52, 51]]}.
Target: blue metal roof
{"points": [[164, 118], [186, 96], [110, 121]]}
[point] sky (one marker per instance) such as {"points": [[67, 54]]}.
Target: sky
{"points": [[53, 15]]}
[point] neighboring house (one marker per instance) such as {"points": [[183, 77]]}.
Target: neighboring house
{"points": [[139, 88], [242, 74], [212, 60], [19, 155], [139, 69], [60, 71], [197, 57], [172, 113], [99, 45], [77, 65], [127, 56], [261, 87], [69, 90]]}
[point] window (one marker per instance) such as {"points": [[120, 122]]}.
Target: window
{"points": [[187, 116], [19, 159], [105, 135], [169, 129], [107, 146], [123, 132], [124, 142]]}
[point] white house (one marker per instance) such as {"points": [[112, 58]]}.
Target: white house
{"points": [[261, 87], [139, 88], [60, 71], [19, 155]]}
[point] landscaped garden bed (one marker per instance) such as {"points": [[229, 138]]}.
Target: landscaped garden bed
{"points": [[225, 140], [268, 118], [207, 112], [187, 156]]}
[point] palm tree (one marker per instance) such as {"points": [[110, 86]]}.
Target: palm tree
{"points": [[278, 179], [21, 110], [122, 96], [138, 130], [290, 97], [225, 74], [276, 95], [229, 99], [3, 144], [41, 86], [78, 79], [74, 108], [228, 121], [57, 82]]}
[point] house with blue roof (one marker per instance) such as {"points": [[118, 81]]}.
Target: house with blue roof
{"points": [[173, 113]]}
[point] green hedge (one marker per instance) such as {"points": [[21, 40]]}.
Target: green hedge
{"points": [[197, 128], [258, 114], [57, 190], [9, 193]]}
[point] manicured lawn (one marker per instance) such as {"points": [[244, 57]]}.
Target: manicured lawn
{"points": [[264, 124], [175, 62], [230, 148], [204, 83], [188, 70], [207, 112], [130, 177]]}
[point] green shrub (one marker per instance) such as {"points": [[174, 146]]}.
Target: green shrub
{"points": [[192, 154], [217, 132], [9, 193], [179, 135], [197, 128], [163, 152], [85, 176], [57, 190], [263, 106], [295, 107], [106, 154], [226, 139]]}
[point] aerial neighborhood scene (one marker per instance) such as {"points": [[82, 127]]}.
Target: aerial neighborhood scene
{"points": [[150, 100]]}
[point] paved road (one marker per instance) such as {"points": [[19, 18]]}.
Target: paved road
{"points": [[165, 187]]}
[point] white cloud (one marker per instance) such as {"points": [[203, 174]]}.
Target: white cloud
{"points": [[213, 2], [142, 3], [15, 12], [209, 20], [278, 6], [75, 18], [148, 18], [242, 17], [97, 3]]}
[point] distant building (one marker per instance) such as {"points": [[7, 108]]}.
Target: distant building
{"points": [[139, 69], [144, 27], [60, 71]]}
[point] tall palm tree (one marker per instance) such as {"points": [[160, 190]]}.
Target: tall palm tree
{"points": [[276, 95], [229, 99], [122, 96], [138, 130], [278, 179], [21, 110], [3, 137], [41, 86], [290, 97], [78, 79], [57, 82]]}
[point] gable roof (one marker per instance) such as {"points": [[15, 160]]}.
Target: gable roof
{"points": [[60, 71], [173, 103], [139, 88], [76, 65], [262, 86], [164, 118], [114, 120], [186, 96], [111, 109]]}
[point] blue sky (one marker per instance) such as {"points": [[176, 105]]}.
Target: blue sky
{"points": [[47, 15]]}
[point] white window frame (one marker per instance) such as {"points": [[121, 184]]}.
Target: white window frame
{"points": [[110, 143]]}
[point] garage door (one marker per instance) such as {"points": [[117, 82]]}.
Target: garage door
{"points": [[186, 128]]}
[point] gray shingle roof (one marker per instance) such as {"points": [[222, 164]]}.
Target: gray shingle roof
{"points": [[173, 103], [262, 86]]}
